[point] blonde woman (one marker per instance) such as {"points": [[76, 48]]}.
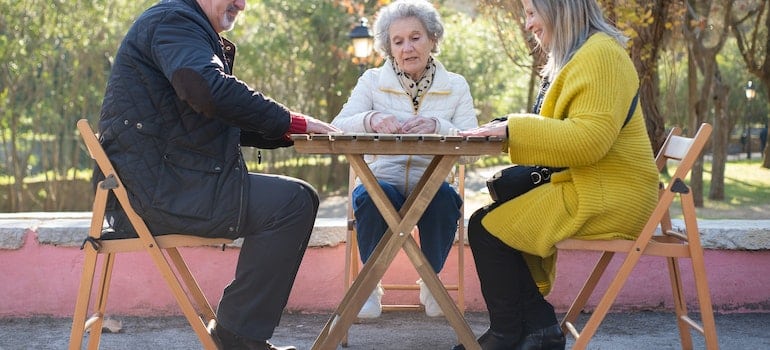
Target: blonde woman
{"points": [[585, 120]]}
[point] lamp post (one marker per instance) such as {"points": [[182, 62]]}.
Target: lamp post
{"points": [[751, 92], [363, 43]]}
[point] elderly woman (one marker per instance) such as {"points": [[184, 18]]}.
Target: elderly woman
{"points": [[411, 93], [585, 120]]}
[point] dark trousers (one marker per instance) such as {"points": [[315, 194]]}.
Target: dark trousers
{"points": [[280, 216], [515, 305]]}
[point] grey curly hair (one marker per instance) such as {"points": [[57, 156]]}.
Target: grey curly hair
{"points": [[420, 9]]}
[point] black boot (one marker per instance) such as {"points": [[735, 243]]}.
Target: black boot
{"points": [[548, 338], [228, 340], [492, 340]]}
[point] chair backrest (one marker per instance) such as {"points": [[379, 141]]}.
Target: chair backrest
{"points": [[112, 180], [685, 150]]}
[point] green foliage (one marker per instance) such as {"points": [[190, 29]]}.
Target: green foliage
{"points": [[747, 193], [55, 58], [471, 49]]}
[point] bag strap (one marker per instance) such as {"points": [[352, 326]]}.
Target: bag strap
{"points": [[628, 117], [632, 109]]}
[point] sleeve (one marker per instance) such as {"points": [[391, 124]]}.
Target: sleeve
{"points": [[186, 53], [583, 111], [355, 114], [464, 116]]}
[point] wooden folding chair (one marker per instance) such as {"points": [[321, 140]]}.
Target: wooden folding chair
{"points": [[155, 246], [352, 261], [667, 243]]}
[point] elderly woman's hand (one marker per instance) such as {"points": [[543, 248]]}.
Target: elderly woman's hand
{"points": [[493, 128], [419, 125], [384, 123]]}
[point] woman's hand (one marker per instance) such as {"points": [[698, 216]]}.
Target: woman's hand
{"points": [[494, 128], [384, 123], [419, 125]]}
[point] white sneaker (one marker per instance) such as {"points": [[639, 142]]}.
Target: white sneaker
{"points": [[426, 298], [373, 306]]}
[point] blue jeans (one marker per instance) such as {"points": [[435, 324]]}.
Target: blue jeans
{"points": [[437, 225]]}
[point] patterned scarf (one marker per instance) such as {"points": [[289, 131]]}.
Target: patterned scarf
{"points": [[415, 89]]}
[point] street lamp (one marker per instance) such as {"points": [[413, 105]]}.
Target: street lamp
{"points": [[751, 92], [363, 43]]}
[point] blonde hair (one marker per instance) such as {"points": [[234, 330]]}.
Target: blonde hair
{"points": [[571, 23]]}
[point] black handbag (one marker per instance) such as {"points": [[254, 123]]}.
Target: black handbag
{"points": [[514, 181]]}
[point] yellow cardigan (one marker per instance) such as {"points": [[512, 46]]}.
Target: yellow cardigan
{"points": [[611, 185]]}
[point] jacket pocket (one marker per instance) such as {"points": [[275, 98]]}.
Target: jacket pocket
{"points": [[188, 184]]}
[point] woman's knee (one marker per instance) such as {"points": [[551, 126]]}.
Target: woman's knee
{"points": [[476, 230], [474, 222]]}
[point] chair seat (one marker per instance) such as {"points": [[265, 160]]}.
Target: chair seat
{"points": [[164, 242], [658, 246]]}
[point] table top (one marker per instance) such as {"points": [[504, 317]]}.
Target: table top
{"points": [[422, 144]]}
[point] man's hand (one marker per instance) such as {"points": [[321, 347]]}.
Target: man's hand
{"points": [[315, 126]]}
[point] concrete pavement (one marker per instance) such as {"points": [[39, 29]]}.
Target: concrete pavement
{"points": [[394, 330]]}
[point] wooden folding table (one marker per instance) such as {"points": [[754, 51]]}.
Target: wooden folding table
{"points": [[445, 151]]}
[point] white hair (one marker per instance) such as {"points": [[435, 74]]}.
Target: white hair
{"points": [[420, 9]]}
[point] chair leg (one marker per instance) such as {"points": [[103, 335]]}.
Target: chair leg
{"points": [[96, 322], [351, 268], [709, 330], [603, 307], [83, 299], [204, 307], [680, 303], [585, 293], [704, 297], [182, 299], [706, 310]]}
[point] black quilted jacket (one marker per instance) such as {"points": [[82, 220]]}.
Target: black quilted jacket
{"points": [[173, 121]]}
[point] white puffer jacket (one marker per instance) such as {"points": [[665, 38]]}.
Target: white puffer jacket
{"points": [[448, 101]]}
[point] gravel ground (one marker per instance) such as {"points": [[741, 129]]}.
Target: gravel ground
{"points": [[394, 330]]}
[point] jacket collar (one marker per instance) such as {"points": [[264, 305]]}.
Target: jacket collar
{"points": [[389, 81], [197, 7], [228, 47], [229, 52]]}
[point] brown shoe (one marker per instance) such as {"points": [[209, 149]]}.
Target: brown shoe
{"points": [[231, 341]]}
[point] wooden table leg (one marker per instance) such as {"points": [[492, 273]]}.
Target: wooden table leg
{"points": [[397, 236]]}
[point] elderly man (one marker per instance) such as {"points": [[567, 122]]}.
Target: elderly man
{"points": [[173, 121]]}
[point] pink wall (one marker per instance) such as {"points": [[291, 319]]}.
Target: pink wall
{"points": [[43, 280]]}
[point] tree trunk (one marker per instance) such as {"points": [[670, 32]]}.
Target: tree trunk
{"points": [[645, 58], [766, 156], [720, 139]]}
